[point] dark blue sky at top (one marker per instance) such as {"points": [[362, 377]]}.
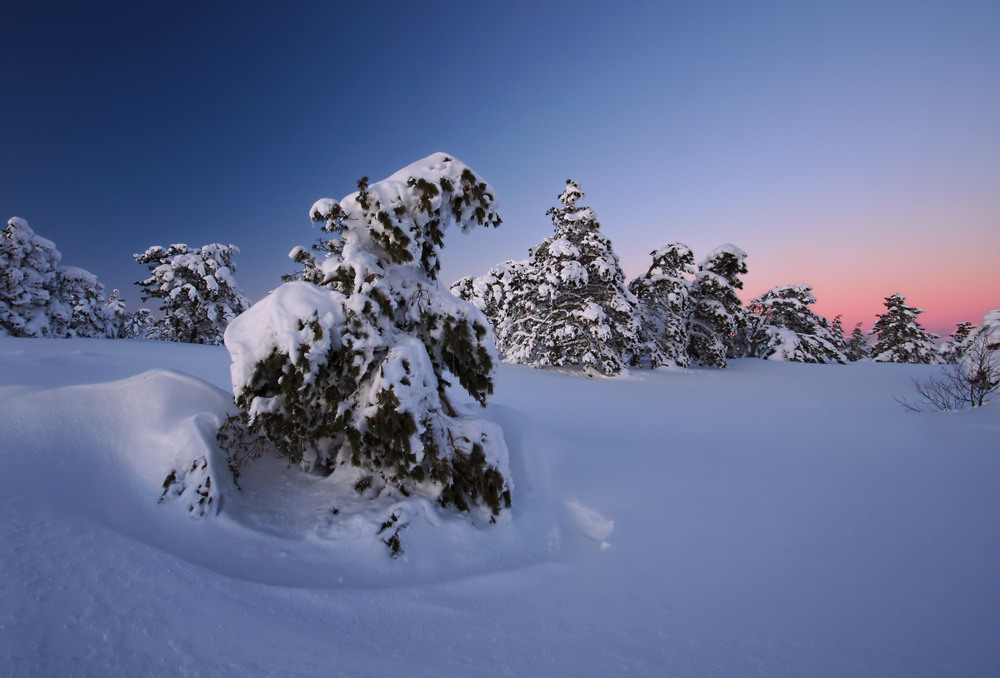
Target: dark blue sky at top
{"points": [[823, 138]]}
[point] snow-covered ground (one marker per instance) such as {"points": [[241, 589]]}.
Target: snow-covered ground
{"points": [[767, 519]]}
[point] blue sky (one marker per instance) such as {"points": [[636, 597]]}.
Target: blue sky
{"points": [[854, 146]]}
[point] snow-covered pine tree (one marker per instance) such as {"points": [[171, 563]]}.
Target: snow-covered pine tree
{"points": [[347, 368], [495, 293], [28, 266], [988, 333], [573, 308], [951, 349], [715, 306], [837, 330], [787, 329], [80, 291], [900, 337], [40, 298], [663, 295], [858, 347], [198, 292]]}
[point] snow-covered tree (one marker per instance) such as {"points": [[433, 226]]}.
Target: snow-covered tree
{"points": [[785, 328], [571, 306], [84, 296], [837, 331], [198, 292], [40, 298], [715, 307], [495, 293], [348, 368], [900, 337], [663, 295], [28, 266], [858, 347], [951, 349]]}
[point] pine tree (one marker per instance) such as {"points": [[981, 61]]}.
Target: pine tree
{"points": [[570, 305], [715, 308], [951, 349], [347, 368], [901, 338], [198, 293], [80, 291], [40, 298], [837, 330], [664, 298], [858, 347], [785, 328]]}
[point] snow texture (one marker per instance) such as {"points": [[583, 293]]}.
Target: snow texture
{"points": [[824, 531]]}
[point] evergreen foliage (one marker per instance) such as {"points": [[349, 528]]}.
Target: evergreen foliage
{"points": [[567, 305], [952, 349], [348, 367], [785, 328], [715, 309], [858, 347], [40, 298], [900, 337], [197, 291], [663, 294]]}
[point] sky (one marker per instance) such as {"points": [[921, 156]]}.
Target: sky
{"points": [[851, 146]]}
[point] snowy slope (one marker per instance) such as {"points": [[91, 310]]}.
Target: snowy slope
{"points": [[767, 519]]}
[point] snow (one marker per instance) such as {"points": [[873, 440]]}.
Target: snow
{"points": [[767, 519]]}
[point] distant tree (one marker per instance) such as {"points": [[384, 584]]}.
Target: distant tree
{"points": [[970, 382], [715, 308], [785, 328], [80, 291], [40, 298], [837, 331], [349, 367], [571, 306], [664, 299], [951, 349], [503, 288], [197, 291], [858, 347], [900, 337]]}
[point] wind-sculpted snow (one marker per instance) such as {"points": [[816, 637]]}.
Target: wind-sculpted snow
{"points": [[142, 451], [768, 519]]}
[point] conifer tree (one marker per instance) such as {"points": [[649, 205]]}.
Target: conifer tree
{"points": [[40, 298], [571, 306], [715, 308], [858, 347], [951, 350], [80, 291], [787, 329], [900, 337], [663, 294], [837, 330], [348, 367], [197, 291]]}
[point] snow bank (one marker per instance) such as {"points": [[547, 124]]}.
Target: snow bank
{"points": [[771, 519]]}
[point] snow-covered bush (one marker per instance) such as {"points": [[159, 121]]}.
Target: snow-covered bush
{"points": [[567, 305], [40, 298], [664, 299], [198, 292], [715, 308], [781, 326], [969, 382], [348, 367], [900, 337]]}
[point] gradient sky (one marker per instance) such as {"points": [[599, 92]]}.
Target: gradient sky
{"points": [[853, 146]]}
